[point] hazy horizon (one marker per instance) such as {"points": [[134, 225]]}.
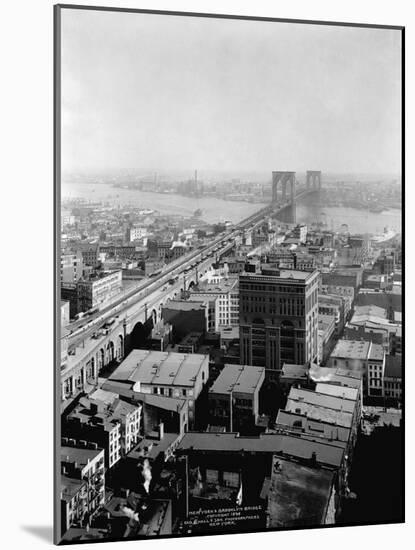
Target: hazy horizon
{"points": [[149, 93]]}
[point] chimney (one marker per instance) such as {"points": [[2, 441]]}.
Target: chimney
{"points": [[161, 431]]}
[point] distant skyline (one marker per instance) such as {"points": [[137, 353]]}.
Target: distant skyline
{"points": [[147, 92]]}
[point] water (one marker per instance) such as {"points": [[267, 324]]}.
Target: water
{"points": [[358, 221], [213, 210], [216, 210]]}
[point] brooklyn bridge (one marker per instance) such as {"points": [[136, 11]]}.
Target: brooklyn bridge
{"points": [[107, 336]]}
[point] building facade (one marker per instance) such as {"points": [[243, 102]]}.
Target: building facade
{"points": [[278, 318]]}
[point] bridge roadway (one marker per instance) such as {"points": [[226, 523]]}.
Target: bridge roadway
{"points": [[186, 265], [103, 336]]}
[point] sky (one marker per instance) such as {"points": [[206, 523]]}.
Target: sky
{"points": [[155, 92]]}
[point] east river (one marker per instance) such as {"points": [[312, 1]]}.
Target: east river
{"points": [[216, 210]]}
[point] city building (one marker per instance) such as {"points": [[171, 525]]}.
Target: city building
{"points": [[376, 371], [334, 306], [186, 316], [345, 276], [95, 423], [352, 355], [393, 377], [226, 292], [294, 375], [136, 233], [161, 373], [190, 343], [82, 482], [161, 336], [300, 232], [90, 254], [326, 335], [313, 499], [72, 267], [234, 397], [98, 289], [278, 318], [172, 412], [129, 415]]}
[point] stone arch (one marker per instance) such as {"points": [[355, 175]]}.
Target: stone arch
{"points": [[120, 347], [140, 333], [90, 369], [101, 359], [110, 351]]}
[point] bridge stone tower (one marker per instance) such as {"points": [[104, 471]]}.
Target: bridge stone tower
{"points": [[313, 180], [282, 180]]}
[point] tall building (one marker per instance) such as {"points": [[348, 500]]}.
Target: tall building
{"points": [[278, 320]]}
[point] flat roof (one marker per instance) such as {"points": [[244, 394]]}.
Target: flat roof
{"points": [[284, 274], [102, 416], [326, 453], [338, 391], [238, 379], [353, 349], [107, 397], [291, 370], [318, 412], [160, 368], [185, 305], [321, 399], [80, 455], [173, 404], [223, 285], [298, 495], [69, 487], [153, 446], [342, 433], [377, 353]]}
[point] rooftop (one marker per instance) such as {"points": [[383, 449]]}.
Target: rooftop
{"points": [[160, 368], [284, 274], [81, 455], [70, 487], [337, 391], [351, 349], [151, 445], [377, 353], [238, 379], [327, 401], [161, 401], [222, 286], [94, 414], [290, 445], [294, 371], [319, 412], [289, 419], [298, 495], [185, 305]]}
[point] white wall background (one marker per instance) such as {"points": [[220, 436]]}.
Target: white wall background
{"points": [[27, 297]]}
